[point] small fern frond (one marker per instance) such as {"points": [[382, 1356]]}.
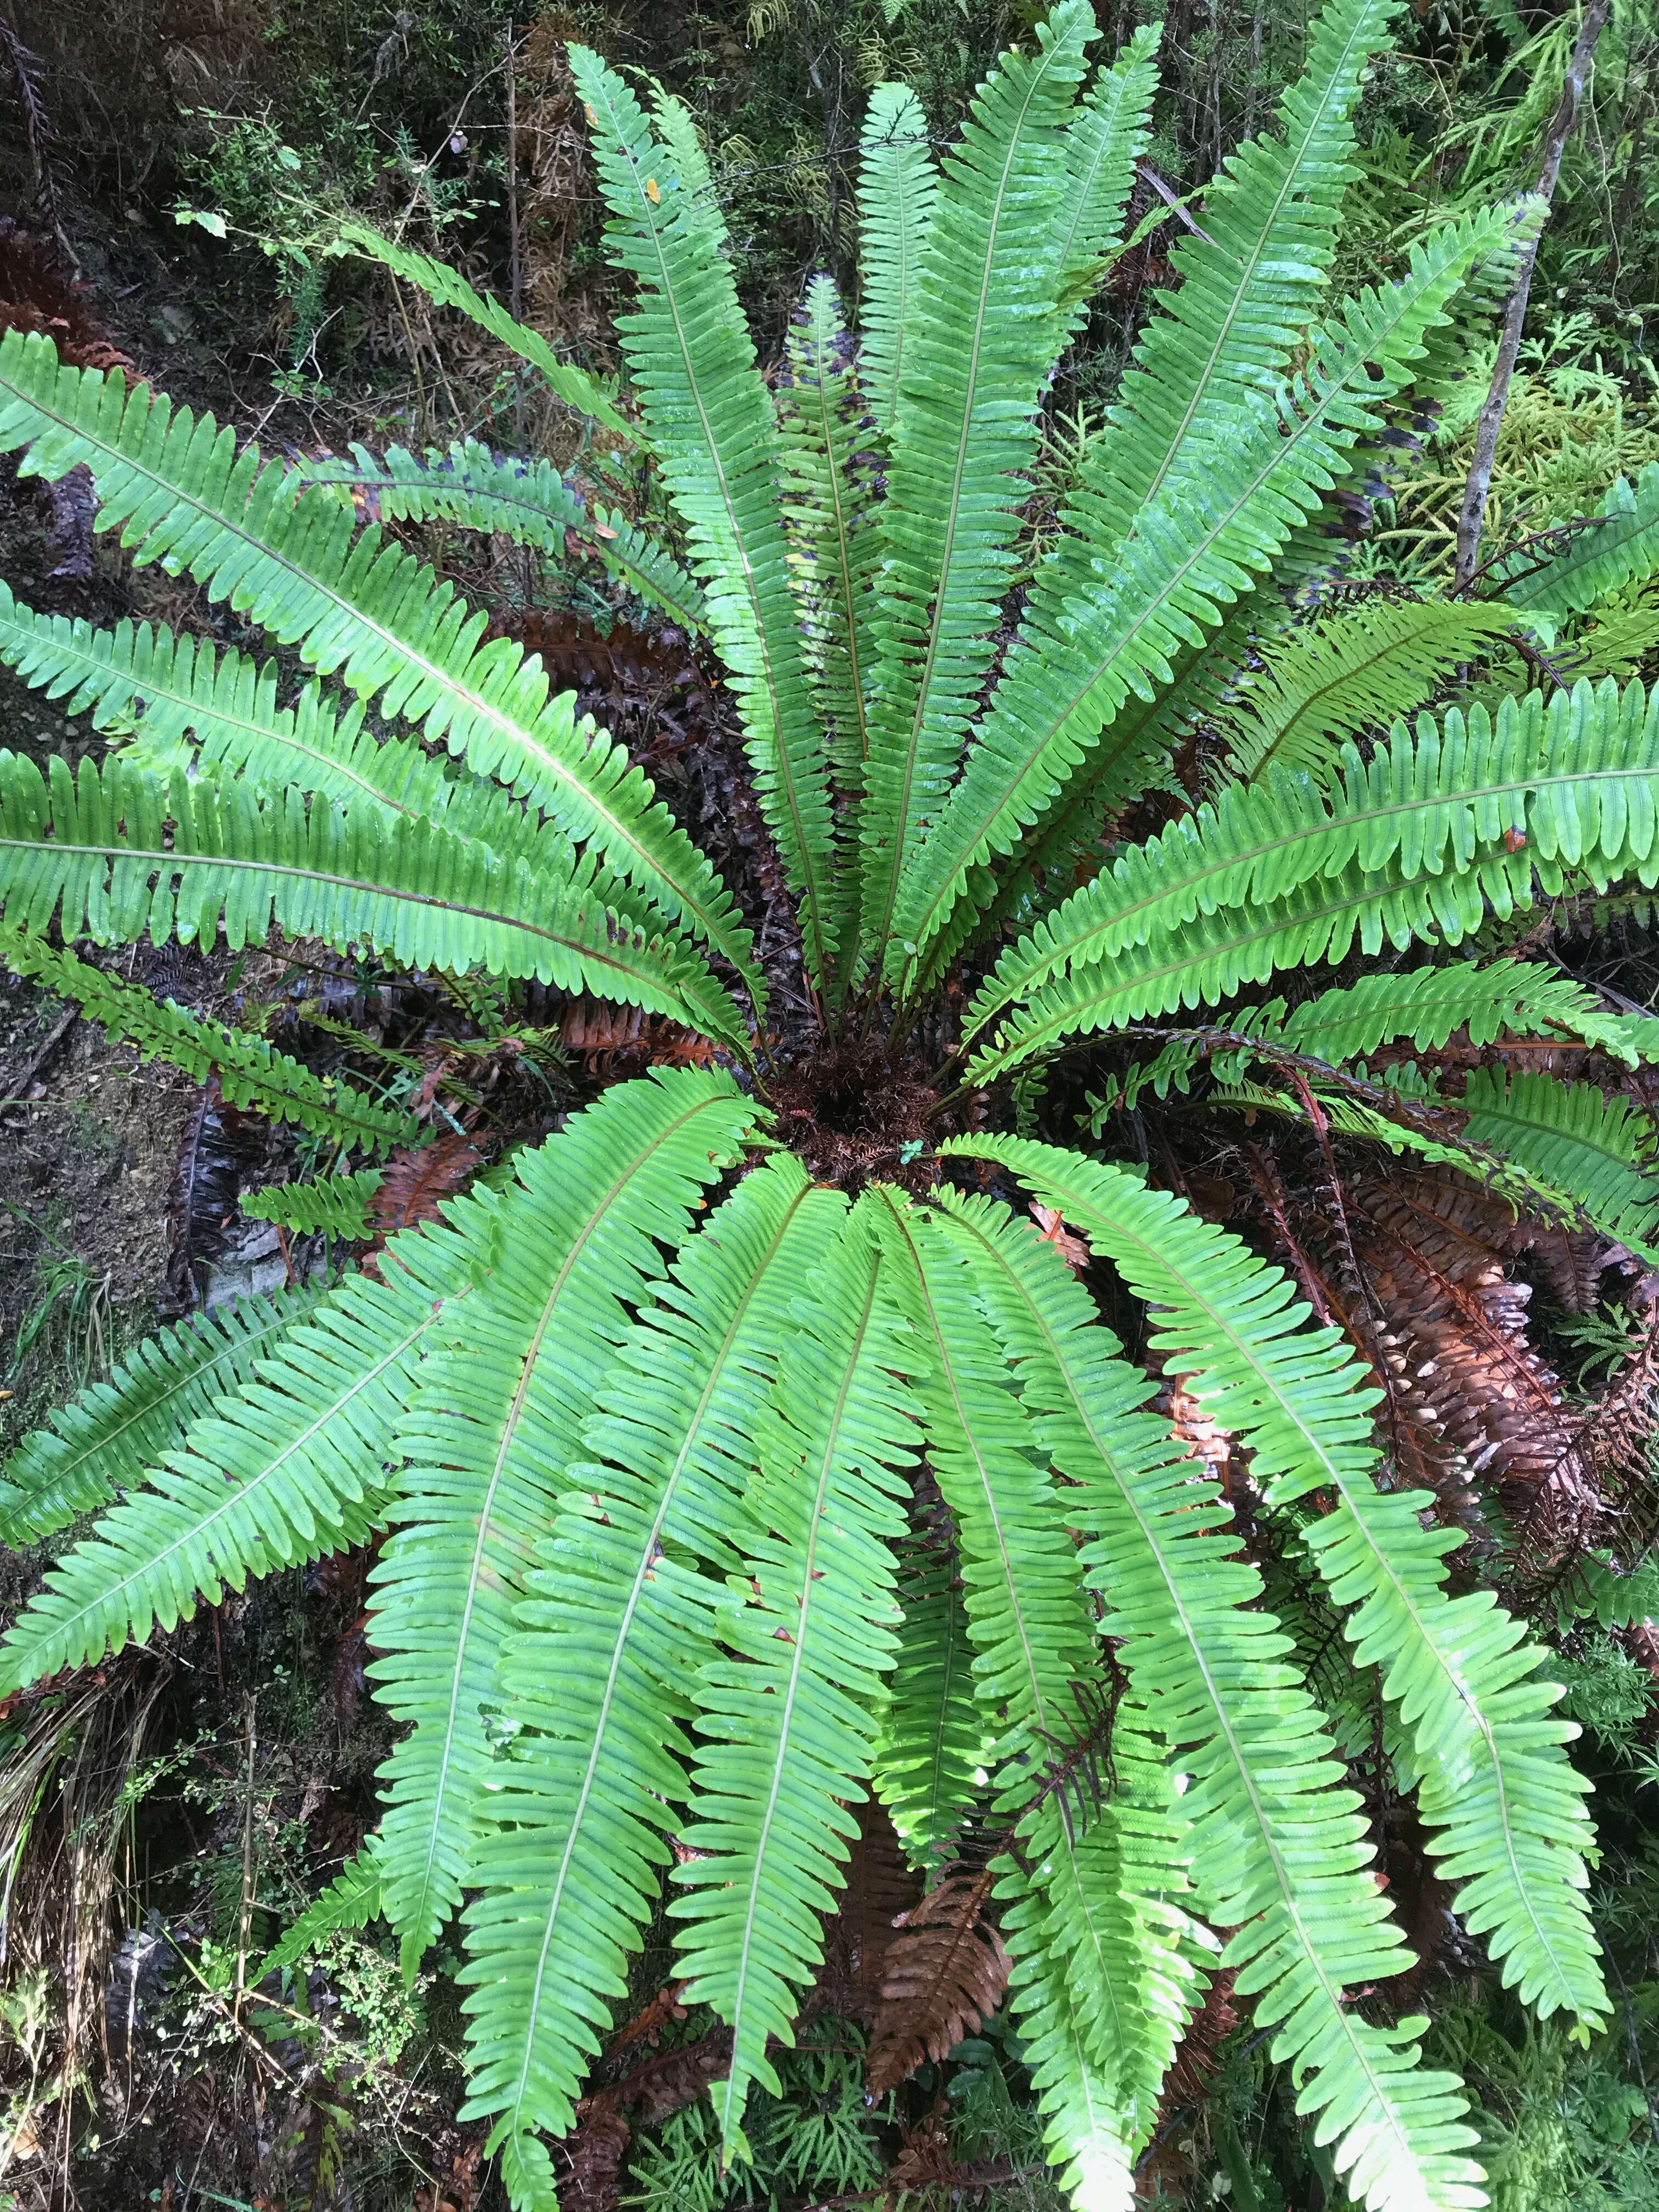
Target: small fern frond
{"points": [[1412, 843], [105, 1438], [579, 391], [1504, 1809], [291, 1466], [716, 438], [898, 180], [352, 1900], [498, 1402], [1328, 680], [356, 604], [785, 1722], [248, 1069], [1098, 629], [526, 499], [1619, 546], [336, 1204], [597, 1667], [1276, 1852], [984, 333], [116, 855]]}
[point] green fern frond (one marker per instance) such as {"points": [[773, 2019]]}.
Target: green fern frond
{"points": [[497, 1404], [1413, 843], [932, 1744], [1571, 1135], [828, 497], [1504, 1809], [1620, 546], [292, 1465], [983, 336], [898, 180], [357, 605], [786, 1715], [716, 438], [337, 1205], [1097, 631], [1330, 679], [1249, 283], [248, 1069], [598, 1668], [1423, 1007], [578, 390], [1276, 1847], [352, 1900], [527, 500], [104, 1440], [97, 853], [1105, 139]]}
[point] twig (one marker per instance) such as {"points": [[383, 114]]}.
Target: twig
{"points": [[1473, 518]]}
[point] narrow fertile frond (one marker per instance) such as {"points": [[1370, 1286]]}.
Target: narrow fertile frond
{"points": [[898, 180], [440, 282], [598, 1666], [1413, 843], [1330, 679], [524, 499], [110, 856], [984, 335], [829, 495], [357, 605], [1620, 546], [1246, 286], [292, 1465], [1276, 1847], [716, 438], [105, 1439], [786, 1715], [1600, 1150], [1097, 631], [337, 1205], [495, 1411], [248, 1069], [1503, 1808]]}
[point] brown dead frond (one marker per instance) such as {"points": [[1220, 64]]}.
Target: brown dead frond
{"points": [[947, 1971]]}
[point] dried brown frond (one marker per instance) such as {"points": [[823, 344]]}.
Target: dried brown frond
{"points": [[945, 1974], [415, 1181], [593, 2180], [40, 292], [614, 1040]]}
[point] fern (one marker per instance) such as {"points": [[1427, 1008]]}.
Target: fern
{"points": [[337, 1205], [114, 855], [248, 1071], [1618, 545], [352, 1900], [897, 184], [180, 492], [984, 336], [717, 440], [1599, 1149], [528, 500], [497, 1387], [104, 1440], [1333, 678], [1413, 842], [931, 1748], [1104, 141]]}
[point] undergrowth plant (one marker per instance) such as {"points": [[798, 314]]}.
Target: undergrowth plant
{"points": [[750, 1449]]}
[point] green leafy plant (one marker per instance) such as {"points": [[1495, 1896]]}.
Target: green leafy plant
{"points": [[645, 1423]]}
